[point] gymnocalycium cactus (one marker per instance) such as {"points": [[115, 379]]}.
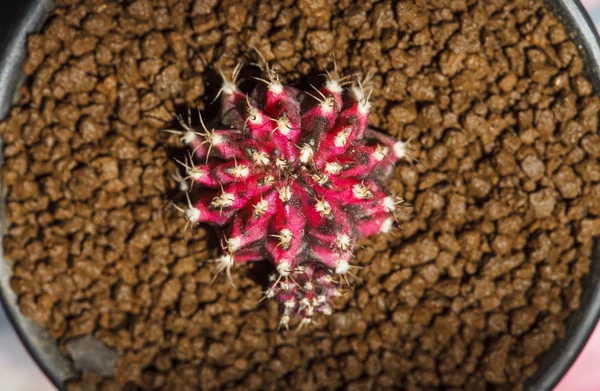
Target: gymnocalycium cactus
{"points": [[296, 178]]}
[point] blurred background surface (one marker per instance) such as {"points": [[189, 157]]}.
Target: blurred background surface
{"points": [[18, 372]]}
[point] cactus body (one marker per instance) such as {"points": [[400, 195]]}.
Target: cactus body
{"points": [[296, 178]]}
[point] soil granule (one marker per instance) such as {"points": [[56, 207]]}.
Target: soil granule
{"points": [[463, 295]]}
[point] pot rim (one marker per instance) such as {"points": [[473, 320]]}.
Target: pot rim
{"points": [[553, 364], [27, 16]]}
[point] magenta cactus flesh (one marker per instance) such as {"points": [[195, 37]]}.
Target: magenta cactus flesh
{"points": [[296, 178]]}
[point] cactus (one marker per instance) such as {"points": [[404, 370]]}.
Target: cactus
{"points": [[296, 178]]}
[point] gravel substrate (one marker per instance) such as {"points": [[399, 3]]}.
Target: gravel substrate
{"points": [[463, 295]]}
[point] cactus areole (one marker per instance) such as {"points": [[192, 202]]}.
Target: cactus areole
{"points": [[296, 178]]}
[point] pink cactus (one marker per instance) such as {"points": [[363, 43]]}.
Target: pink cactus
{"points": [[294, 178]]}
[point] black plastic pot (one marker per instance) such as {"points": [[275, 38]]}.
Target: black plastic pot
{"points": [[19, 18]]}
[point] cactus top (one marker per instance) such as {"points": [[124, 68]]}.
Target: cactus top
{"points": [[296, 178]]}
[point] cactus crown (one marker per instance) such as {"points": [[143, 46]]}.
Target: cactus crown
{"points": [[296, 178]]}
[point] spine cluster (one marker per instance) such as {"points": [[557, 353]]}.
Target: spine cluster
{"points": [[294, 177]]}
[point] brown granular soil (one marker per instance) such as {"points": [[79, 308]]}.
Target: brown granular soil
{"points": [[463, 295]]}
